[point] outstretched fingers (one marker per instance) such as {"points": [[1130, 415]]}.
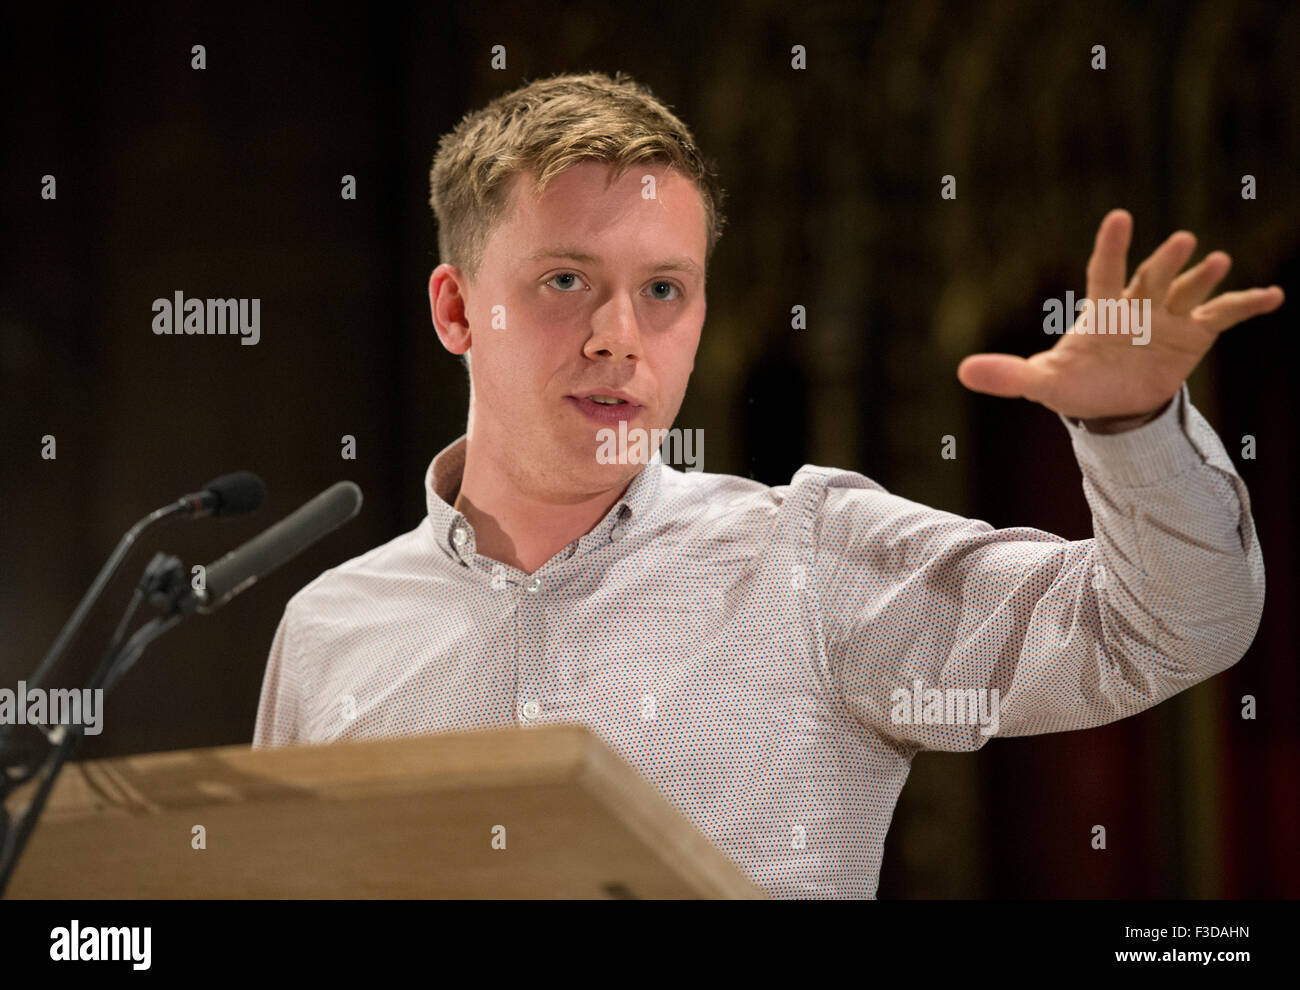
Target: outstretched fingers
{"points": [[1194, 286], [1110, 256], [1152, 278], [1231, 308]]}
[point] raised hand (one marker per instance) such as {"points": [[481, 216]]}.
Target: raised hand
{"points": [[1110, 380]]}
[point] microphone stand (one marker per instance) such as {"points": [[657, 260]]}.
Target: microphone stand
{"points": [[97, 587], [228, 495], [163, 584]]}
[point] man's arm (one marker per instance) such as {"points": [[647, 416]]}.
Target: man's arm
{"points": [[1070, 634]]}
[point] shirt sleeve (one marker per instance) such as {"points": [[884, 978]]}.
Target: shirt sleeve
{"points": [[930, 615], [278, 708]]}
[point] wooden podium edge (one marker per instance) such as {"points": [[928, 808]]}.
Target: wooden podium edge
{"points": [[148, 783]]}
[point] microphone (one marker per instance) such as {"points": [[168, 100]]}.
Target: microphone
{"points": [[245, 565], [230, 495]]}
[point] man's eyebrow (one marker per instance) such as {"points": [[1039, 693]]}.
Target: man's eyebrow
{"points": [[576, 254]]}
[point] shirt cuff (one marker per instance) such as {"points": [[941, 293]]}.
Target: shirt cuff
{"points": [[1151, 453]]}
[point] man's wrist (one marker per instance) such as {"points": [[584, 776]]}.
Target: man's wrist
{"points": [[1121, 424], [1144, 455]]}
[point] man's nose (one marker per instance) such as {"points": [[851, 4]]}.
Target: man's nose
{"points": [[615, 331]]}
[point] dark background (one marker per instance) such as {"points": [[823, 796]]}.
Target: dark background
{"points": [[226, 183]]}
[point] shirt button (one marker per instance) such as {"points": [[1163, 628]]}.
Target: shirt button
{"points": [[616, 533], [532, 709], [459, 536], [534, 585]]}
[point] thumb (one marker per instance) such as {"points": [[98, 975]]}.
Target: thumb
{"points": [[1004, 375]]}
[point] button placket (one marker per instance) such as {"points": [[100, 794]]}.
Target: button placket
{"points": [[531, 652]]}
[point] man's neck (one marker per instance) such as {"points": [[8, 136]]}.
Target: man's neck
{"points": [[519, 529]]}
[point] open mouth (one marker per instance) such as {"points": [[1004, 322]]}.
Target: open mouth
{"points": [[605, 409]]}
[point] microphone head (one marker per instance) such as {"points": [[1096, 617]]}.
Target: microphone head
{"points": [[245, 565], [235, 494]]}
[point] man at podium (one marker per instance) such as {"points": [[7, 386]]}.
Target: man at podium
{"points": [[771, 658]]}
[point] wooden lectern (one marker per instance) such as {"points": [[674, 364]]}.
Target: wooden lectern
{"points": [[547, 812]]}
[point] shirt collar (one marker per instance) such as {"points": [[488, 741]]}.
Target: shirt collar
{"points": [[455, 536]]}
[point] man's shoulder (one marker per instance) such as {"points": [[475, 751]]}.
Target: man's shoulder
{"points": [[368, 577], [808, 484]]}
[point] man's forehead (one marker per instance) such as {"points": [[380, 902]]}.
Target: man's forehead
{"points": [[587, 179], [585, 195]]}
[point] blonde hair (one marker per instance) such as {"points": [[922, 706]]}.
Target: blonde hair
{"points": [[544, 127]]}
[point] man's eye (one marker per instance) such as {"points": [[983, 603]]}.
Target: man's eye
{"points": [[569, 281], [567, 287]]}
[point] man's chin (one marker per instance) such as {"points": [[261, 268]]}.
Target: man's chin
{"points": [[601, 476], [596, 467]]}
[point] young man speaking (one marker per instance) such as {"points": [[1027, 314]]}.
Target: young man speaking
{"points": [[771, 658]]}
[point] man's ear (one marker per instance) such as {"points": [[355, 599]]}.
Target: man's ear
{"points": [[448, 307]]}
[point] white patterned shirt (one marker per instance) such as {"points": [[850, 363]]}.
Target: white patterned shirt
{"points": [[771, 658]]}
